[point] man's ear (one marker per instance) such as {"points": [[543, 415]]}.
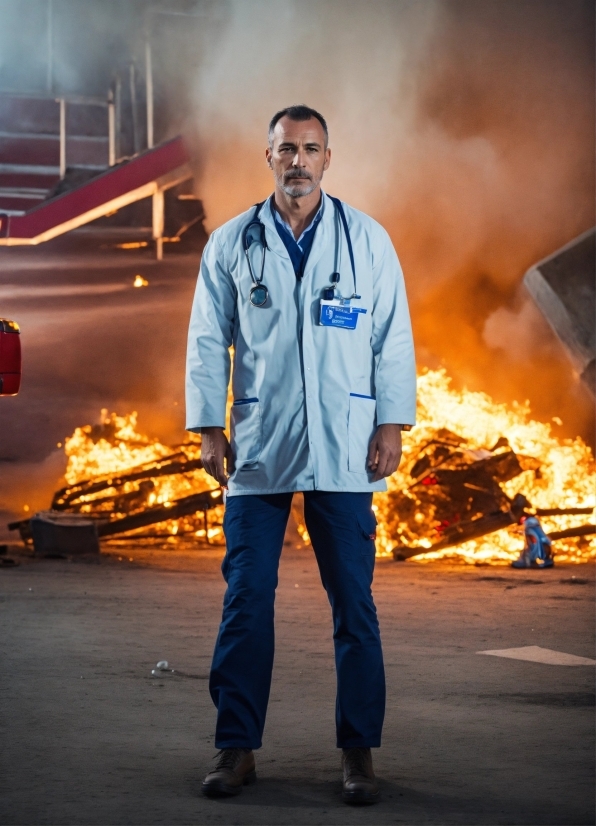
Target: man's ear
{"points": [[327, 160], [268, 156]]}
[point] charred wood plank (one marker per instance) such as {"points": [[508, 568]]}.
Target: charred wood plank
{"points": [[489, 524], [579, 530], [462, 532], [562, 511], [118, 503], [163, 467], [206, 500]]}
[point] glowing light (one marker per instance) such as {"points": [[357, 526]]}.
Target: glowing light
{"points": [[132, 245], [140, 281]]}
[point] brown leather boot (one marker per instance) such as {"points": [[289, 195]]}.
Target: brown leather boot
{"points": [[234, 768], [360, 783]]}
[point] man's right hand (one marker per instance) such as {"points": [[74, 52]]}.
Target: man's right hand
{"points": [[214, 449]]}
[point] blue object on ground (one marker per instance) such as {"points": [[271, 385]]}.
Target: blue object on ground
{"points": [[538, 548]]}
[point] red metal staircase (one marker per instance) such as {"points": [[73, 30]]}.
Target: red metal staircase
{"points": [[32, 161]]}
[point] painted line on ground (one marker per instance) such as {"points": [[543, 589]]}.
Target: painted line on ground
{"points": [[536, 654]]}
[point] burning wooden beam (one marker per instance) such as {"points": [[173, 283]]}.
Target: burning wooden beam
{"points": [[204, 501], [580, 530], [170, 465], [56, 533], [489, 524]]}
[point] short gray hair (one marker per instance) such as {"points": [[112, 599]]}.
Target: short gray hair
{"points": [[300, 112]]}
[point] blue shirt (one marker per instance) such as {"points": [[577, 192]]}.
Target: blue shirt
{"points": [[298, 250]]}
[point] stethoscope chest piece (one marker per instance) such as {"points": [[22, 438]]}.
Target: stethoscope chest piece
{"points": [[255, 231], [259, 295]]}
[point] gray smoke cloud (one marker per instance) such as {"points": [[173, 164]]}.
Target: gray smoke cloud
{"points": [[349, 60], [465, 127]]}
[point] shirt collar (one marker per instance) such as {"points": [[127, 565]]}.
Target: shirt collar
{"points": [[283, 223]]}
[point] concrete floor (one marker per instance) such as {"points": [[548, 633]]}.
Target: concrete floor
{"points": [[91, 738]]}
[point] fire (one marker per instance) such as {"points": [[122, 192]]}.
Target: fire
{"points": [[557, 473], [563, 474], [115, 446]]}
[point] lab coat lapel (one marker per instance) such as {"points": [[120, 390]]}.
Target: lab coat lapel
{"points": [[323, 235], [274, 242]]}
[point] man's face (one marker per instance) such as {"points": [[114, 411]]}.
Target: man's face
{"points": [[298, 157]]}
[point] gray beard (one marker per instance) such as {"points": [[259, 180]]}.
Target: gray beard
{"points": [[298, 192], [295, 190]]}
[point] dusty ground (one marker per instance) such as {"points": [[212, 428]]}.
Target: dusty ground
{"points": [[91, 738]]}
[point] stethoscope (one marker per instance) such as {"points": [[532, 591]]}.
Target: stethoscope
{"points": [[255, 231]]}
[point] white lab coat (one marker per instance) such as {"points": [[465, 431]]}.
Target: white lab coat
{"points": [[307, 398]]}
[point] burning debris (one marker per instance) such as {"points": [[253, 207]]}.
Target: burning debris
{"points": [[458, 490], [120, 481], [472, 470]]}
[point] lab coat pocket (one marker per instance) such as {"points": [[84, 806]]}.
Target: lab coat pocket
{"points": [[247, 432], [361, 428]]}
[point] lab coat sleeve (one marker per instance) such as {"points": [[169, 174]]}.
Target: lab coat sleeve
{"points": [[209, 338], [392, 343]]}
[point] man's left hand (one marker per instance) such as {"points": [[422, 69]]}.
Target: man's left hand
{"points": [[384, 452]]}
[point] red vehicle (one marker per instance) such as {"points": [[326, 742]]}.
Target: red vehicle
{"points": [[10, 357]]}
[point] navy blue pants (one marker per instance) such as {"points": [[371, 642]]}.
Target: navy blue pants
{"points": [[341, 528]]}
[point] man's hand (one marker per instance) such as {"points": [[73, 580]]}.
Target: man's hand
{"points": [[384, 452], [214, 449]]}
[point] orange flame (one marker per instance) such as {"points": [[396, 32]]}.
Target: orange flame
{"points": [[120, 448], [567, 476]]}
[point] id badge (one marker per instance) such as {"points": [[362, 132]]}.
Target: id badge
{"points": [[335, 313]]}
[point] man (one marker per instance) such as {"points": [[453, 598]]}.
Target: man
{"points": [[310, 294]]}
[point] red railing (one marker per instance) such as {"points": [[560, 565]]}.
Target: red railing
{"points": [[147, 174]]}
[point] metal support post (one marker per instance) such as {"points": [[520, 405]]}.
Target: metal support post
{"points": [[111, 129], [118, 107], [149, 91], [136, 144], [50, 72], [158, 222], [62, 103]]}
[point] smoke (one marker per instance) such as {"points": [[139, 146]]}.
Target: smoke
{"points": [[350, 60], [465, 128], [514, 331]]}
